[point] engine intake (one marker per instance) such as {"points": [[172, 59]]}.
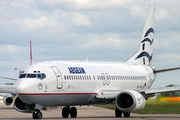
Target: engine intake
{"points": [[20, 106], [7, 100], [130, 101]]}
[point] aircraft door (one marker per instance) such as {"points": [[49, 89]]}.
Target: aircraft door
{"points": [[107, 79], [58, 77]]}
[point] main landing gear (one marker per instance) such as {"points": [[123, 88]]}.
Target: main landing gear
{"points": [[65, 113], [119, 113], [67, 110]]}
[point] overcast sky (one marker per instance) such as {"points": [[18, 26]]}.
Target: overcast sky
{"points": [[102, 30]]}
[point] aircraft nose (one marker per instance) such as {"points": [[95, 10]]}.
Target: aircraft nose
{"points": [[24, 86]]}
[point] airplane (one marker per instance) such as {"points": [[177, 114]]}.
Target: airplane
{"points": [[77, 83], [8, 91]]}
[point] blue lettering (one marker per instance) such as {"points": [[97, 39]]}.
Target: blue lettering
{"points": [[82, 71], [76, 70], [70, 70]]}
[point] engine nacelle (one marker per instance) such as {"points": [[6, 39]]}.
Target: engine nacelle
{"points": [[20, 106], [130, 101], [7, 100]]}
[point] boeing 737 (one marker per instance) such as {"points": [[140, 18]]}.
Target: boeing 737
{"points": [[8, 91], [72, 83]]}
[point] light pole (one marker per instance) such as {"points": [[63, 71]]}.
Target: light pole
{"points": [[16, 69]]}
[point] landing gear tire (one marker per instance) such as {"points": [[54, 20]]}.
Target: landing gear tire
{"points": [[126, 114], [73, 112], [65, 112], [118, 113], [37, 114]]}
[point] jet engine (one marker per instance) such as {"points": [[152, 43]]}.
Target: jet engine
{"points": [[20, 106], [130, 101], [7, 100]]}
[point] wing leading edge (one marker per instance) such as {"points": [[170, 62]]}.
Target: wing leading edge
{"points": [[145, 92], [166, 70]]}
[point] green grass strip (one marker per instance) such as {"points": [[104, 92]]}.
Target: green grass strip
{"points": [[155, 107]]}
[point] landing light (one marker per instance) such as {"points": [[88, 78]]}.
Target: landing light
{"points": [[100, 93]]}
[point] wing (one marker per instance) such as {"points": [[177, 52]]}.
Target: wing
{"points": [[145, 92], [8, 78], [8, 89], [166, 70]]}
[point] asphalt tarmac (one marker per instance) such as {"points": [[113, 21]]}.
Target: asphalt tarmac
{"points": [[84, 113]]}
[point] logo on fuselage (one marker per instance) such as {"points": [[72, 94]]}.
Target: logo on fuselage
{"points": [[76, 70], [40, 86]]}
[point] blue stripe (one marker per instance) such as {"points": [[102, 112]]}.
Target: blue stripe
{"points": [[144, 54], [147, 39], [149, 31]]}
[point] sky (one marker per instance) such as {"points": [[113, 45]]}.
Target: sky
{"points": [[102, 30]]}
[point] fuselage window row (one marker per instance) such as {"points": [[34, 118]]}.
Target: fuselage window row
{"points": [[102, 77], [77, 77], [121, 77]]}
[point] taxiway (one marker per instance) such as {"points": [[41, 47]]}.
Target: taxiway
{"points": [[84, 112]]}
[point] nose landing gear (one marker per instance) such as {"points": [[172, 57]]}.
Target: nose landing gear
{"points": [[37, 115]]}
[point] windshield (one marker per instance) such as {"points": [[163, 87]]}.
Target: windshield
{"points": [[22, 76], [39, 76], [31, 75]]}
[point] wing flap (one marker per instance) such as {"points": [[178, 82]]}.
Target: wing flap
{"points": [[161, 90]]}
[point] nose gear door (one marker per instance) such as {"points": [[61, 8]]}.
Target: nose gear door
{"points": [[58, 77]]}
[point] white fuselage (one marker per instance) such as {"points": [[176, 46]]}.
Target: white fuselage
{"points": [[77, 83]]}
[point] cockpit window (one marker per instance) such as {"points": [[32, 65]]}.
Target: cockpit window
{"points": [[31, 75], [22, 76], [41, 76]]}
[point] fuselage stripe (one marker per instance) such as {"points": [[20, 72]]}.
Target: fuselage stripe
{"points": [[56, 93]]}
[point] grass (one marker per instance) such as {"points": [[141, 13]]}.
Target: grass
{"points": [[155, 107]]}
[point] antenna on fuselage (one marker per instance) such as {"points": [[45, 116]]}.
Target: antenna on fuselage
{"points": [[31, 58]]}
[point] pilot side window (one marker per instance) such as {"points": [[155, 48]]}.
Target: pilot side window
{"points": [[41, 76], [22, 76]]}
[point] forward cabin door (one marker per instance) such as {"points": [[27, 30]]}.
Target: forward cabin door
{"points": [[58, 77], [105, 78]]}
